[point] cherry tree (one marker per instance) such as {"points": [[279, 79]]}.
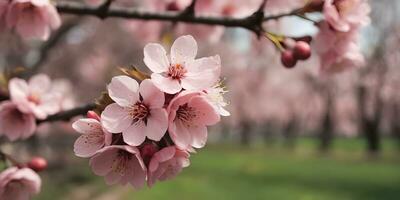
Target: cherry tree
{"points": [[149, 119]]}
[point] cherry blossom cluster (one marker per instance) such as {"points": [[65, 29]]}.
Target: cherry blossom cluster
{"points": [[150, 129], [337, 42], [29, 18], [30, 101]]}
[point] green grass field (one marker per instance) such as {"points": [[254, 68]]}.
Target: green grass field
{"points": [[229, 172]]}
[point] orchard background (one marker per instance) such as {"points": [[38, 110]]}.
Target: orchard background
{"points": [[317, 127]]}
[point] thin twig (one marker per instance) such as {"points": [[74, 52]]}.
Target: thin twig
{"points": [[68, 114]]}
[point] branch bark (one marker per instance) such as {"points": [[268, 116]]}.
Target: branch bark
{"points": [[252, 22]]}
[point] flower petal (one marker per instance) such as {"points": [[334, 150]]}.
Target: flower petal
{"points": [[157, 124], [152, 96], [206, 114], [156, 58], [183, 50], [166, 85], [123, 90], [39, 84], [199, 136], [87, 125], [202, 73], [115, 118], [87, 145], [180, 134], [135, 134]]}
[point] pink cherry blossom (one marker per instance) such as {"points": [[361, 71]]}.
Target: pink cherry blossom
{"points": [[93, 138], [33, 18], [15, 124], [138, 112], [35, 96], [19, 184], [338, 51], [166, 164], [342, 14], [189, 114], [120, 164], [182, 70]]}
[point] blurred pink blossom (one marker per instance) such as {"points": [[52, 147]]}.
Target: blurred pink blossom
{"points": [[19, 184], [134, 117], [166, 164], [343, 14], [182, 70], [93, 138], [189, 115], [120, 164], [338, 51], [15, 124], [35, 96], [32, 18]]}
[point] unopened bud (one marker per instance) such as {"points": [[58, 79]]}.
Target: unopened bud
{"points": [[173, 6], [287, 59], [302, 50], [93, 115], [37, 164]]}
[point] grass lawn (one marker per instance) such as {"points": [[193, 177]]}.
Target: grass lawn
{"points": [[230, 172]]}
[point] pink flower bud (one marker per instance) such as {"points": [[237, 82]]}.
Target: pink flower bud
{"points": [[288, 60], [173, 6], [37, 164], [302, 50], [93, 115]]}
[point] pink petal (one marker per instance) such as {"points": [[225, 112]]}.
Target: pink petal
{"points": [[199, 136], [161, 156], [19, 89], [115, 118], [156, 58], [52, 17], [180, 134], [166, 85], [124, 90], [102, 162], [87, 145], [139, 174], [206, 113], [30, 178], [39, 84], [87, 126], [183, 50], [157, 124], [113, 177], [135, 134], [202, 73], [152, 96]]}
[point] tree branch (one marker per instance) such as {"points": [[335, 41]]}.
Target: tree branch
{"points": [[68, 114], [252, 22]]}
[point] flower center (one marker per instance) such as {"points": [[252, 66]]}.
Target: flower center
{"points": [[139, 111], [121, 162], [186, 113], [34, 98], [176, 71]]}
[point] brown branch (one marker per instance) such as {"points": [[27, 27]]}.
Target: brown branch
{"points": [[68, 114], [252, 22]]}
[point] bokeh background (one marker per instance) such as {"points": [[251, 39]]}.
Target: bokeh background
{"points": [[292, 134]]}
